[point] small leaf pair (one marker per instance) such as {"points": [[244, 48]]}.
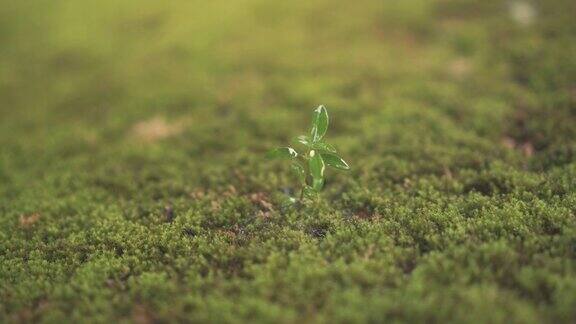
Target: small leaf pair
{"points": [[310, 167], [285, 153]]}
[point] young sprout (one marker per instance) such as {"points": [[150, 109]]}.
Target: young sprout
{"points": [[309, 167]]}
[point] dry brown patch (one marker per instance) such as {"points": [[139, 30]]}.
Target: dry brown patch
{"points": [[368, 253], [459, 68], [215, 206], [27, 221], [509, 143], [240, 176], [230, 191], [31, 314], [230, 234], [142, 315], [264, 214], [157, 128], [365, 214], [198, 194], [261, 199], [527, 148], [169, 213], [448, 173]]}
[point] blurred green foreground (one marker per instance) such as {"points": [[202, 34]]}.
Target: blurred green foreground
{"points": [[133, 186]]}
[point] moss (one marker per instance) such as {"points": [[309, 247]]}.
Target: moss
{"points": [[133, 189]]}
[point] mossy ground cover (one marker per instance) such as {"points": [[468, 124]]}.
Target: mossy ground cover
{"points": [[133, 185]]}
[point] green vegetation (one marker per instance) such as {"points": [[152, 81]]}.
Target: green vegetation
{"points": [[309, 168], [132, 186]]}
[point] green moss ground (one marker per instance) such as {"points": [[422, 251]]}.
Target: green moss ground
{"points": [[132, 184]]}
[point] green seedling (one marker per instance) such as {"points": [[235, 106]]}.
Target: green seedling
{"points": [[309, 167]]}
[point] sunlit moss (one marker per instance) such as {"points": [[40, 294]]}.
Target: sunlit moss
{"points": [[133, 185]]}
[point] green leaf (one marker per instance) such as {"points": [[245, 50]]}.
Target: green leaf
{"points": [[317, 184], [334, 161], [304, 140], [324, 147], [299, 171], [282, 153], [319, 123], [316, 165]]}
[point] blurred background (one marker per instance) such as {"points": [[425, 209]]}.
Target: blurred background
{"points": [[94, 72]]}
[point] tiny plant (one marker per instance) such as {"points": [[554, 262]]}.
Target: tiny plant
{"points": [[309, 167]]}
